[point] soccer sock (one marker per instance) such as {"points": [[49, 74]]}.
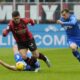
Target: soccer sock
{"points": [[31, 61], [42, 57], [76, 54]]}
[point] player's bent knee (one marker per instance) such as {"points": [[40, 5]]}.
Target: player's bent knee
{"points": [[35, 54], [24, 56]]}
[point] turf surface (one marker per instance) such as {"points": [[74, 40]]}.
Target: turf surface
{"points": [[64, 66]]}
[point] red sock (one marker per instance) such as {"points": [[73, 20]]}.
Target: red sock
{"points": [[42, 57], [31, 61]]}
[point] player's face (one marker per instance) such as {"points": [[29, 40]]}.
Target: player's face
{"points": [[65, 15], [16, 19]]}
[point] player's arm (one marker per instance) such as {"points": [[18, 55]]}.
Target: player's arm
{"points": [[68, 23], [31, 21], [6, 31], [10, 67]]}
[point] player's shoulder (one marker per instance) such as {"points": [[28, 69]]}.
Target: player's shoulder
{"points": [[28, 19], [72, 16], [10, 23], [24, 20]]}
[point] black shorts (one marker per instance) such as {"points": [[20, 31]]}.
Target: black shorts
{"points": [[29, 44]]}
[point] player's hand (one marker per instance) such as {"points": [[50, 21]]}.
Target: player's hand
{"points": [[59, 22], [32, 21], [5, 32]]}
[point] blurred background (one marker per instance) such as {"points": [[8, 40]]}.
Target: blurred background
{"points": [[50, 38], [45, 10], [47, 33]]}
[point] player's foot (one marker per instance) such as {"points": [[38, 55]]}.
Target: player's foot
{"points": [[78, 59], [48, 62], [37, 69]]}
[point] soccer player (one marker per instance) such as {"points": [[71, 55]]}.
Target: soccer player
{"points": [[24, 38], [70, 23], [18, 58]]}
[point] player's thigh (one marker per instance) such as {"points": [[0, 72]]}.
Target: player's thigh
{"points": [[22, 49], [31, 45], [33, 48], [23, 53]]}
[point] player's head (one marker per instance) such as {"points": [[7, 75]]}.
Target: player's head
{"points": [[65, 13], [16, 17]]}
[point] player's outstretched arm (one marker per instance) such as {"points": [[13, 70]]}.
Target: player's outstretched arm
{"points": [[10, 67], [72, 21], [5, 31], [31, 21]]}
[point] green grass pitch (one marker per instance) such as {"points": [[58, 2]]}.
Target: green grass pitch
{"points": [[64, 66]]}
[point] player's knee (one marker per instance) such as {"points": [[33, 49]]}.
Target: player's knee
{"points": [[35, 54], [73, 46], [24, 57]]}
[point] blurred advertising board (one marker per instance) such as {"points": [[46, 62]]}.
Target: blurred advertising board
{"points": [[46, 36]]}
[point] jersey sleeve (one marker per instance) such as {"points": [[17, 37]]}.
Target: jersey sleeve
{"points": [[6, 30], [72, 21], [31, 21], [9, 26]]}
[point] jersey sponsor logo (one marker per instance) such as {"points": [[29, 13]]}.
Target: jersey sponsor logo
{"points": [[21, 31], [45, 35]]}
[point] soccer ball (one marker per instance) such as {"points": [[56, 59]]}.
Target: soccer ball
{"points": [[20, 65]]}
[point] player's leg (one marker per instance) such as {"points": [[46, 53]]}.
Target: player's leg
{"points": [[33, 48], [41, 57], [18, 58], [29, 54], [15, 49], [17, 55], [74, 48], [22, 48], [36, 67]]}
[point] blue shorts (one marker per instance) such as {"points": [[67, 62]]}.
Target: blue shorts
{"points": [[18, 58], [76, 41]]}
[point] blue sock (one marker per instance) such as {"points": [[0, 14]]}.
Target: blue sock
{"points": [[76, 54]]}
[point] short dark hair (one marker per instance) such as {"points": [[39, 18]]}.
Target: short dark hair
{"points": [[65, 10], [15, 14]]}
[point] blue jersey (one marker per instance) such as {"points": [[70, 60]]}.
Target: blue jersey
{"points": [[71, 26]]}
